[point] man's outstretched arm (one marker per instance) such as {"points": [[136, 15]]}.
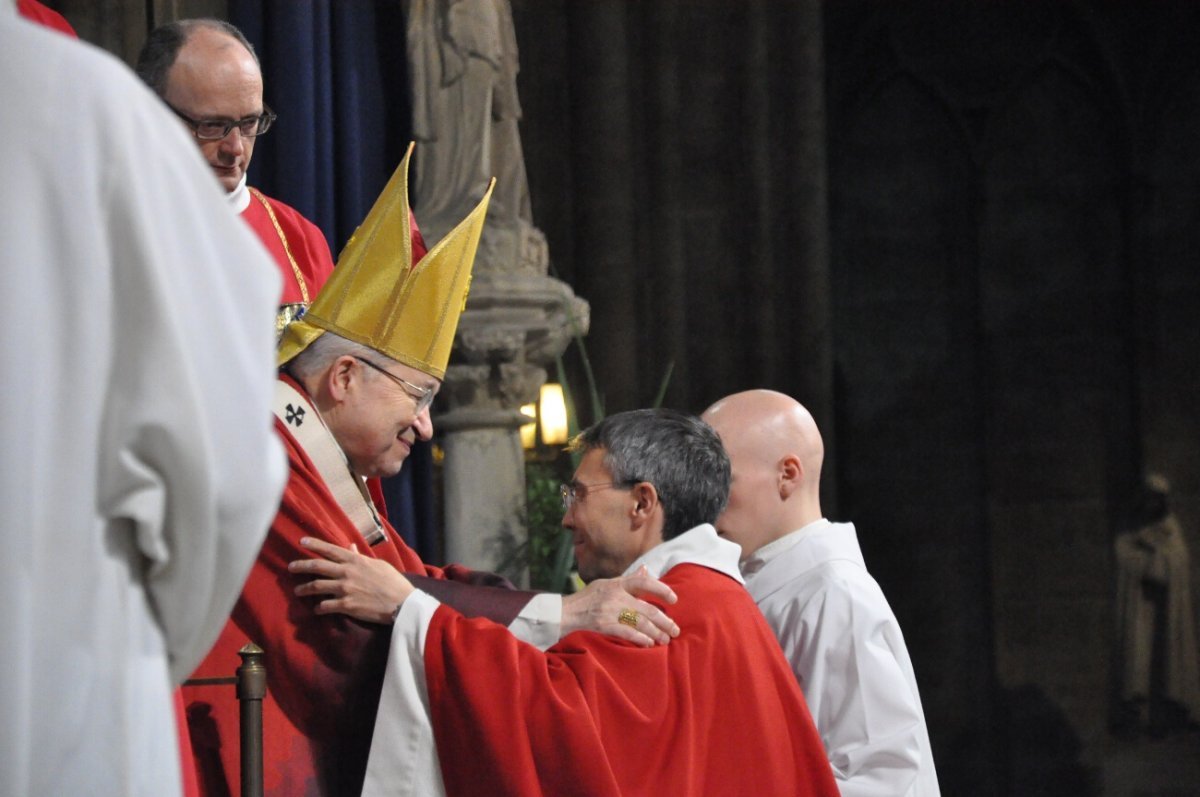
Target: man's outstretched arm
{"points": [[372, 590]]}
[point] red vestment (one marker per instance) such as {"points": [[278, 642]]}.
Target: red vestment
{"points": [[715, 712], [324, 672], [36, 12], [307, 243]]}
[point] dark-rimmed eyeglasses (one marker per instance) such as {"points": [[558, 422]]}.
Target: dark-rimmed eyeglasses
{"points": [[217, 129], [423, 396], [578, 491]]}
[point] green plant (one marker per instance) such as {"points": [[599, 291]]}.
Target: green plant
{"points": [[546, 549]]}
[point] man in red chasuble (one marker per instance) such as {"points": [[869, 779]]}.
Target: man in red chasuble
{"points": [[208, 74], [716, 712]]}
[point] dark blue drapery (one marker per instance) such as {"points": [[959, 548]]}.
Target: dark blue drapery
{"points": [[336, 73]]}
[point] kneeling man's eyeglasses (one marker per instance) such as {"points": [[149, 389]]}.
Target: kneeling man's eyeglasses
{"points": [[577, 491]]}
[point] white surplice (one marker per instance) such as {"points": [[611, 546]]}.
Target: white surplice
{"points": [[140, 468], [845, 646]]}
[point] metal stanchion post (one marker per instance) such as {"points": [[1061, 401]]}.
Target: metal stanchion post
{"points": [[251, 689]]}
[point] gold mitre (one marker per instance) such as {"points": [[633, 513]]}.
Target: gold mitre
{"points": [[373, 296]]}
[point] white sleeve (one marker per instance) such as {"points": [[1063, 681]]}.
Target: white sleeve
{"points": [[403, 761], [847, 654], [540, 621]]}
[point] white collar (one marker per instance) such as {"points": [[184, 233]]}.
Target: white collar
{"points": [[758, 560], [239, 198], [699, 546]]}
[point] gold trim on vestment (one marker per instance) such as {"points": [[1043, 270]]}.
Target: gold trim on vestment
{"points": [[283, 239]]}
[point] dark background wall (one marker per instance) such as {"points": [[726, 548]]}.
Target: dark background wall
{"points": [[966, 235]]}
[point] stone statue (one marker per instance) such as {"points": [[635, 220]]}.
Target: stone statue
{"points": [[1156, 628], [463, 60]]}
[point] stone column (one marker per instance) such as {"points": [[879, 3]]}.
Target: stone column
{"points": [[516, 322]]}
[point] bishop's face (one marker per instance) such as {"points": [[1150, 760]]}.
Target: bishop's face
{"points": [[599, 519], [380, 418], [216, 78]]}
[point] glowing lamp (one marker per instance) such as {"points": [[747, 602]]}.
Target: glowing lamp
{"points": [[553, 412]]}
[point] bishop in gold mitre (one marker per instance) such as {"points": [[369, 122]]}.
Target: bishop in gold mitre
{"points": [[358, 372]]}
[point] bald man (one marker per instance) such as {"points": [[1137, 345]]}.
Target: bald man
{"points": [[808, 577]]}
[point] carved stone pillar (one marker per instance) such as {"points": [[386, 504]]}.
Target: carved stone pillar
{"points": [[463, 64], [516, 322]]}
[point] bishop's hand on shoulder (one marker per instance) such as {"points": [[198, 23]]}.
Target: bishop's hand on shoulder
{"points": [[350, 583], [613, 606]]}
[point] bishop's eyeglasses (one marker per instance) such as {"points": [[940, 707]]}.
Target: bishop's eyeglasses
{"points": [[423, 396], [217, 129]]}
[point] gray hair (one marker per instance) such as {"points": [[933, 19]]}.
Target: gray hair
{"points": [[320, 354], [679, 454], [162, 47]]}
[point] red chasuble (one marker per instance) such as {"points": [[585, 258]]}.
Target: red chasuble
{"points": [[304, 240], [324, 672], [715, 712]]}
